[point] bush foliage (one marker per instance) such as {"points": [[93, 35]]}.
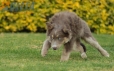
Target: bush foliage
{"points": [[99, 14]]}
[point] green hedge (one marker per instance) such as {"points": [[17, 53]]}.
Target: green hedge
{"points": [[98, 13]]}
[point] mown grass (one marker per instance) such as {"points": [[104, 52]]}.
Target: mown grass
{"points": [[21, 52]]}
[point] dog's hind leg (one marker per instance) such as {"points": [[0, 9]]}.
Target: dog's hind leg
{"points": [[46, 46], [81, 48], [84, 47], [91, 40]]}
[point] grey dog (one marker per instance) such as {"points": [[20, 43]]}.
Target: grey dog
{"points": [[68, 29]]}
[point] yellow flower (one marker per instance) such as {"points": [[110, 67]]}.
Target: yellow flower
{"points": [[103, 31], [104, 14], [29, 20], [102, 25], [54, 10], [13, 28], [7, 13], [32, 27], [90, 22], [111, 27], [42, 19], [69, 2], [7, 27], [59, 1], [95, 26], [76, 4]]}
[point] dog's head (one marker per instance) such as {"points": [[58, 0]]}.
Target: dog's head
{"points": [[58, 35]]}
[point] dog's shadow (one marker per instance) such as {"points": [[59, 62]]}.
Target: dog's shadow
{"points": [[75, 56], [50, 57]]}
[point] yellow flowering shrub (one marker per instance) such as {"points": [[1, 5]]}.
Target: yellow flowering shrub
{"points": [[99, 14]]}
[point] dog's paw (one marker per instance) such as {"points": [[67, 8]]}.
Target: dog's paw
{"points": [[105, 53], [83, 55], [63, 60], [43, 54]]}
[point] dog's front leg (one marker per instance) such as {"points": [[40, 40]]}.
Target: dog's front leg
{"points": [[46, 46], [66, 52]]}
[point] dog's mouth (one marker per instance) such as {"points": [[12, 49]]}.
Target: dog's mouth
{"points": [[54, 48]]}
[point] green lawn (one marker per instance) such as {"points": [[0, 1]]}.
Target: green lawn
{"points": [[21, 52]]}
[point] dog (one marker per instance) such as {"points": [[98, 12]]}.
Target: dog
{"points": [[68, 29]]}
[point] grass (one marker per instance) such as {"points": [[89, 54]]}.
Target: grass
{"points": [[21, 52]]}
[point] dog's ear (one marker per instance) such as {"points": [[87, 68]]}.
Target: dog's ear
{"points": [[67, 32], [50, 26]]}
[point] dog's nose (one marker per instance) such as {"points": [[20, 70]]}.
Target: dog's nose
{"points": [[54, 48]]}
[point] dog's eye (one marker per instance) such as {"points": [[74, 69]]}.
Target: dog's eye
{"points": [[59, 38]]}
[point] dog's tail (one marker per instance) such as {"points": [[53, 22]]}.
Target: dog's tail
{"points": [[83, 46]]}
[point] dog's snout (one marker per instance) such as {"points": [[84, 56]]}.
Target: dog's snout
{"points": [[54, 48]]}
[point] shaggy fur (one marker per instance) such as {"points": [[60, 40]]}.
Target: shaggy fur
{"points": [[67, 28]]}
